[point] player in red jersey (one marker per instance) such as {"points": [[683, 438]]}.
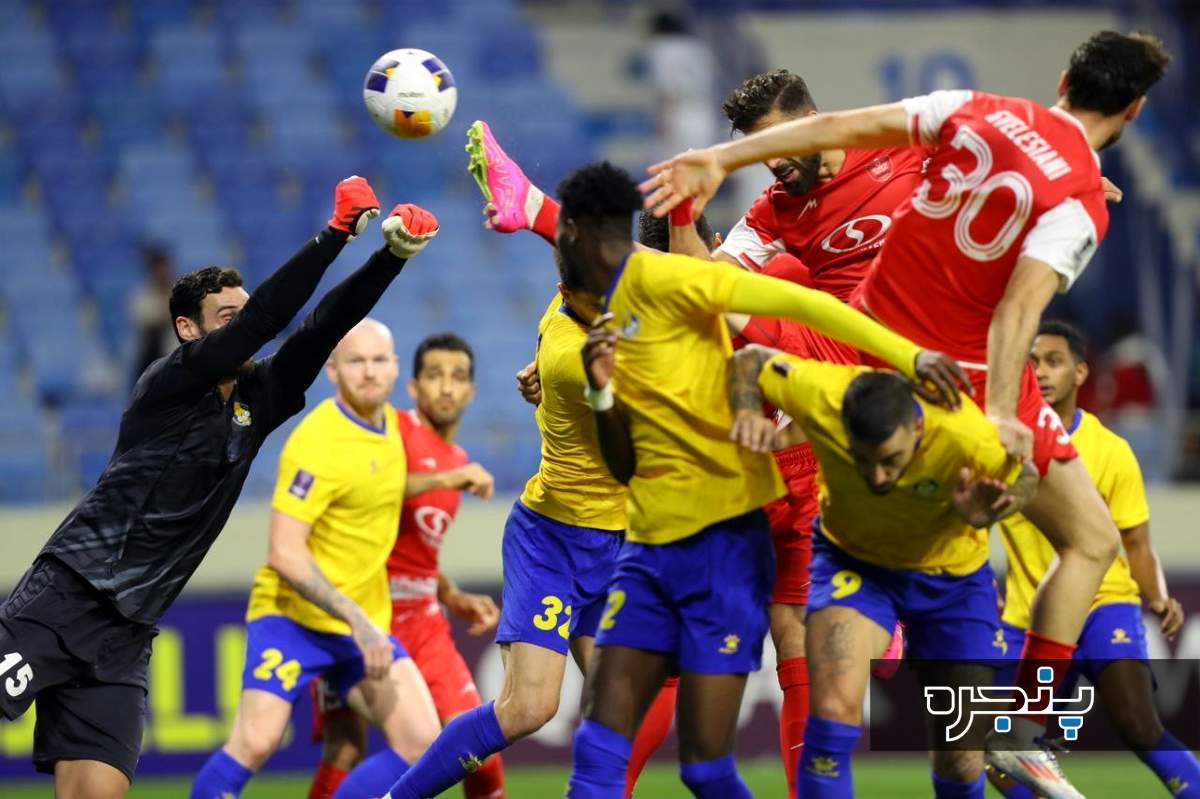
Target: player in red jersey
{"points": [[438, 472], [820, 224], [1010, 211]]}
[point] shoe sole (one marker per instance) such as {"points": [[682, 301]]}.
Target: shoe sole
{"points": [[1010, 764], [478, 163]]}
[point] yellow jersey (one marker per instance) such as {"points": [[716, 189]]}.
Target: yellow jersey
{"points": [[572, 484], [347, 480], [671, 376], [1114, 469], [914, 526]]}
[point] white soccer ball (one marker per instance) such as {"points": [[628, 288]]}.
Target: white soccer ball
{"points": [[410, 93]]}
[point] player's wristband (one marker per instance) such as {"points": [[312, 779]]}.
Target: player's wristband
{"points": [[681, 215], [600, 401]]}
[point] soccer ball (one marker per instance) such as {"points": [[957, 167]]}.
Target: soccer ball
{"points": [[410, 93]]}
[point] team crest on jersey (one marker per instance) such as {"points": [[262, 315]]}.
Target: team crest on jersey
{"points": [[630, 325], [241, 415], [926, 488], [881, 168], [302, 483]]}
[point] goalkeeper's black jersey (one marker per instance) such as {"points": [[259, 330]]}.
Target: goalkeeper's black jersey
{"points": [[184, 451]]}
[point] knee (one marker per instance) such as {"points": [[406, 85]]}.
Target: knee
{"points": [[252, 745], [1140, 731], [522, 714], [834, 707], [1102, 542]]}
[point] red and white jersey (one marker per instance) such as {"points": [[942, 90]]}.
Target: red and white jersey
{"points": [[424, 518], [1007, 178], [835, 228]]}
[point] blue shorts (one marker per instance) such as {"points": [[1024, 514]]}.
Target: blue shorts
{"points": [[1110, 632], [555, 579], [702, 599], [282, 657], [946, 617]]}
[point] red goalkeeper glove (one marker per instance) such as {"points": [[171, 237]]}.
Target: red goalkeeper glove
{"points": [[354, 204], [407, 229]]}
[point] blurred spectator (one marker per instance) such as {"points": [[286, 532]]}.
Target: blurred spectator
{"points": [[1130, 377], [149, 311], [682, 72]]}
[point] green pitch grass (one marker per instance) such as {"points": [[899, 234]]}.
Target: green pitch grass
{"points": [[1113, 776]]}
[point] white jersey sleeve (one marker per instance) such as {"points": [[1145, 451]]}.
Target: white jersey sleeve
{"points": [[1065, 239], [927, 114], [748, 245]]}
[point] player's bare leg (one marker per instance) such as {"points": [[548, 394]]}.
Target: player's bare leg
{"points": [[1071, 514], [787, 630], [1128, 695], [258, 728], [88, 779], [840, 644], [529, 697], [343, 745], [960, 762], [708, 711], [400, 706]]}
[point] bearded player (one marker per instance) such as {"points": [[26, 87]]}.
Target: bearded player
{"points": [[1111, 650], [441, 387], [1010, 211]]}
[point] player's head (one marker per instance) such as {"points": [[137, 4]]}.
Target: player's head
{"points": [[443, 379], [655, 232], [204, 300], [1059, 358], [595, 225], [768, 99], [1111, 73], [884, 428], [364, 367]]}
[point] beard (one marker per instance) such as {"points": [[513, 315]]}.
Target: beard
{"points": [[1111, 140], [798, 175]]}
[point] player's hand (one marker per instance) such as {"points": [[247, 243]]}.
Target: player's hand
{"points": [[1015, 436], [478, 610], [752, 431], [939, 378], [1112, 192], [599, 353], [529, 383], [407, 229], [1171, 614], [982, 500], [476, 480], [696, 174], [354, 205], [375, 647]]}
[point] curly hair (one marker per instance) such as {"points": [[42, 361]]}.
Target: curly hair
{"points": [[189, 291], [754, 99], [654, 232], [1111, 70], [599, 192]]}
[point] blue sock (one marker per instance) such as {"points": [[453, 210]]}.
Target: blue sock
{"points": [[948, 789], [1175, 766], [461, 748], [598, 763], [1017, 791], [220, 777], [714, 779], [825, 762], [373, 776]]}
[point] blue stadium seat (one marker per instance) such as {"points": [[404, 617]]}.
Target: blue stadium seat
{"points": [[88, 432], [510, 52], [105, 57], [328, 15], [25, 473], [189, 63], [233, 14], [12, 178], [163, 14], [128, 116]]}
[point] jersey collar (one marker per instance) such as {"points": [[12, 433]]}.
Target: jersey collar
{"points": [[1075, 420], [612, 286], [1056, 110], [566, 311], [918, 414], [364, 425]]}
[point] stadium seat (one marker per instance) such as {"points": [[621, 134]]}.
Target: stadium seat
{"points": [[88, 430]]}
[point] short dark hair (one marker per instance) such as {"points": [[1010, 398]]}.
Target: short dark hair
{"points": [[189, 291], [1076, 340], [875, 405], [1111, 70], [600, 193], [755, 98], [450, 342], [655, 232]]}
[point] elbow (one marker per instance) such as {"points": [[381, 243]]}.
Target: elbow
{"points": [[283, 562]]}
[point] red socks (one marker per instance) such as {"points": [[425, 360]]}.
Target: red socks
{"points": [[652, 733], [1041, 651], [793, 717], [326, 781], [546, 222], [487, 782]]}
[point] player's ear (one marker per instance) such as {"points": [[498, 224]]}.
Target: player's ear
{"points": [[1082, 372], [412, 388], [1062, 85], [564, 292], [187, 328], [331, 371], [1134, 108]]}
